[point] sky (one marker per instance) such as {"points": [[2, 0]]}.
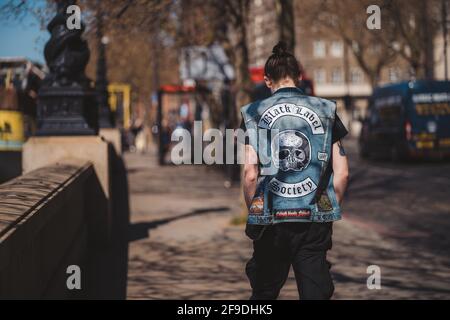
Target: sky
{"points": [[24, 37]]}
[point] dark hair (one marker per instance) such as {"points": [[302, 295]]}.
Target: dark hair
{"points": [[282, 64]]}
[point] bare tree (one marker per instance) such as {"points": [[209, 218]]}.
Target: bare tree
{"points": [[411, 28], [286, 22], [135, 28], [408, 31], [231, 32], [347, 19], [186, 23]]}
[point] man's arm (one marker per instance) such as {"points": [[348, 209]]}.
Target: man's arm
{"points": [[250, 174], [340, 170]]}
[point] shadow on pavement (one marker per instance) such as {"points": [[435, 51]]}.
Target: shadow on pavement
{"points": [[341, 278], [140, 230]]}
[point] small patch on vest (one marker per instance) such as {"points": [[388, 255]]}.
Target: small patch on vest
{"points": [[257, 205], [293, 213], [322, 156], [324, 203]]}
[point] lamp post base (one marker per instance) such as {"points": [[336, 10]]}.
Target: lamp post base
{"points": [[66, 111]]}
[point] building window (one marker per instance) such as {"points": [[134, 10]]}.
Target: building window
{"points": [[375, 48], [259, 41], [393, 74], [320, 75], [396, 46], [337, 76], [257, 52], [258, 24], [260, 62], [319, 49], [337, 49], [356, 76], [355, 46]]}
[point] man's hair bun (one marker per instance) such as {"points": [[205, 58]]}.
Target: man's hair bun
{"points": [[280, 48], [282, 64]]}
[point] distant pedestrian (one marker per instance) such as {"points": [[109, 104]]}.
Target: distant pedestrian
{"points": [[292, 200]]}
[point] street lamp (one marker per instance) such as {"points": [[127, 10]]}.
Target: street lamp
{"points": [[106, 119], [66, 100]]}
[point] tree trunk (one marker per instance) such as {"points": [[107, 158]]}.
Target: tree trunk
{"points": [[286, 22], [427, 42], [243, 80]]}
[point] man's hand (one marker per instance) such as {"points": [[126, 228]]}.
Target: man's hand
{"points": [[340, 170], [250, 174]]}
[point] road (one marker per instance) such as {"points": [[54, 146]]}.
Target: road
{"points": [[184, 246]]}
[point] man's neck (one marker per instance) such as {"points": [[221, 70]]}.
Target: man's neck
{"points": [[286, 83]]}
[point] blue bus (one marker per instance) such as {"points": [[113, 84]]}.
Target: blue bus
{"points": [[408, 120]]}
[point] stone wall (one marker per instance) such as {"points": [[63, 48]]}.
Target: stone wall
{"points": [[70, 207], [43, 229]]}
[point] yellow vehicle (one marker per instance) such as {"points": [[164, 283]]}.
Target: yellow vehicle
{"points": [[12, 134], [19, 83], [120, 104]]}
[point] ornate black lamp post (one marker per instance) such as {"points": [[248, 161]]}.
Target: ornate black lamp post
{"points": [[66, 100], [106, 119]]}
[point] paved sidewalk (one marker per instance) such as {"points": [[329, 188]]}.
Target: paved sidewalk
{"points": [[182, 245]]}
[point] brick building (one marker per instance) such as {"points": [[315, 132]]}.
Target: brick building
{"points": [[326, 59]]}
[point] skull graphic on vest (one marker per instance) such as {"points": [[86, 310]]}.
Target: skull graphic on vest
{"points": [[291, 150]]}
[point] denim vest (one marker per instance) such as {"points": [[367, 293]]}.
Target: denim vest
{"points": [[291, 133]]}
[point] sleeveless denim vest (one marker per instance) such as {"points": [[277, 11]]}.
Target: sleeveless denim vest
{"points": [[291, 133]]}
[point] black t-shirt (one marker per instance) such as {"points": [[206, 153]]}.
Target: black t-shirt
{"points": [[339, 130]]}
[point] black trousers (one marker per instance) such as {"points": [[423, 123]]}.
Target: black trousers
{"points": [[302, 245]]}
